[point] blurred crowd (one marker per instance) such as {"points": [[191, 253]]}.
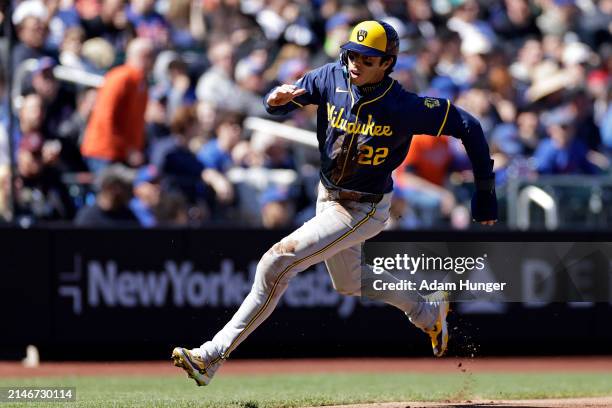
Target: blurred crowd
{"points": [[136, 112]]}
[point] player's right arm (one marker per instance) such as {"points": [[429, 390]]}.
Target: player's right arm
{"points": [[286, 98], [282, 95]]}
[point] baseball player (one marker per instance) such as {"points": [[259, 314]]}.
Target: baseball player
{"points": [[365, 124]]}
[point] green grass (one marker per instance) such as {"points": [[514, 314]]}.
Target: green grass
{"points": [[316, 389]]}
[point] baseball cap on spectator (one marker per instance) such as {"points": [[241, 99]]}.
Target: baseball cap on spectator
{"points": [[146, 174], [291, 70], [31, 142], [29, 8], [506, 138], [598, 76], [274, 194], [246, 67]]}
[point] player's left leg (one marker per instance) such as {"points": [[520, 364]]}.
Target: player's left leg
{"points": [[332, 230]]}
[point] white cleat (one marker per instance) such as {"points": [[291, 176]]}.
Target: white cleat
{"points": [[196, 367], [438, 333]]}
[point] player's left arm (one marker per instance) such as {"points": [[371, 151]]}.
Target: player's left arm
{"points": [[441, 117]]}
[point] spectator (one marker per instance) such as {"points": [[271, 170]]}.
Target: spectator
{"points": [[148, 23], [31, 115], [71, 130], [248, 72], [111, 209], [270, 152], [217, 86], [71, 46], [529, 56], [108, 21], [514, 19], [156, 117], [63, 17], [216, 153], [180, 169], [147, 192], [558, 17], [337, 31], [186, 18], [475, 34], [172, 210], [562, 152], [59, 100], [115, 132], [175, 87], [530, 131], [277, 210], [40, 193], [98, 55], [30, 20], [513, 63]]}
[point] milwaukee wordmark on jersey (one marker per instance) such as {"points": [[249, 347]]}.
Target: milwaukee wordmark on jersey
{"points": [[364, 132]]}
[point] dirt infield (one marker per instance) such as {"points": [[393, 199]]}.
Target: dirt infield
{"points": [[369, 365], [605, 402]]}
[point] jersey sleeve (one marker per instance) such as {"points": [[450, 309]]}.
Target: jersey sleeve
{"points": [[430, 115], [312, 83]]}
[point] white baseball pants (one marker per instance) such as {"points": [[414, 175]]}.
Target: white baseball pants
{"points": [[335, 236]]}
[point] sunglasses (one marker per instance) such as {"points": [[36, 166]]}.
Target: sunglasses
{"points": [[365, 60]]}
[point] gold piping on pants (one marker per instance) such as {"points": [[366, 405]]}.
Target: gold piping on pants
{"points": [[283, 273]]}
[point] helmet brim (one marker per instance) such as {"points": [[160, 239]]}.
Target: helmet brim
{"points": [[362, 49]]}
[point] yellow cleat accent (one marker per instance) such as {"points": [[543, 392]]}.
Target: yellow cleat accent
{"points": [[439, 332], [193, 366]]}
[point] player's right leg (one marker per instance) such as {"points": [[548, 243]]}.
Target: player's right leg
{"points": [[426, 312]]}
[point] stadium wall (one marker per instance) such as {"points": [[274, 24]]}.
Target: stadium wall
{"points": [[134, 294]]}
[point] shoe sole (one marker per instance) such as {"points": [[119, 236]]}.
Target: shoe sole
{"points": [[181, 359]]}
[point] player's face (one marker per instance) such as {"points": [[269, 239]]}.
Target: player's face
{"points": [[365, 70]]}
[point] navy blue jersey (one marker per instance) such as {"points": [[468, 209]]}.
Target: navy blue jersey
{"points": [[364, 133]]}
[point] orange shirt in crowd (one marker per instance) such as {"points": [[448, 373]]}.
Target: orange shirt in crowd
{"points": [[116, 126], [429, 157]]}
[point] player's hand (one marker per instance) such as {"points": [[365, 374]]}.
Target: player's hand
{"points": [[484, 207], [283, 94]]}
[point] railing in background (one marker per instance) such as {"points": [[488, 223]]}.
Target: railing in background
{"points": [[568, 202]]}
